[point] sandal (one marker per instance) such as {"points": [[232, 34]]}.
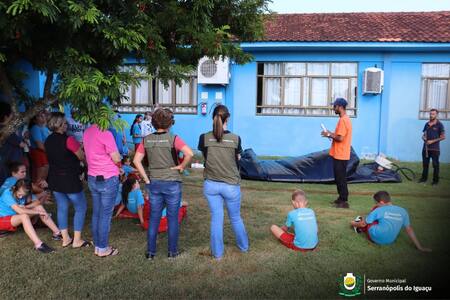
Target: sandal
{"points": [[113, 252], [68, 244], [57, 237], [85, 244]]}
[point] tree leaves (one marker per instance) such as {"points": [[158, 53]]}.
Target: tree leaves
{"points": [[86, 43], [46, 8]]}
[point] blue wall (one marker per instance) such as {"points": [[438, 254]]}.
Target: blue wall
{"points": [[297, 135], [401, 134], [387, 123]]}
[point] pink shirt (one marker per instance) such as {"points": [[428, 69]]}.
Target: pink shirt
{"points": [[98, 146]]}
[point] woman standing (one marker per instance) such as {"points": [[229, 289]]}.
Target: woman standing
{"points": [[221, 150], [102, 158], [164, 184], [136, 131], [39, 133], [64, 156]]}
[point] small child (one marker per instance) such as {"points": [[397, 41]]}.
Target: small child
{"points": [[13, 214], [127, 168], [385, 221], [19, 171], [305, 225], [132, 199]]}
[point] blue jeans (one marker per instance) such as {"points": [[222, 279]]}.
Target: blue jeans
{"points": [[216, 193], [103, 197], [164, 194], [80, 205]]}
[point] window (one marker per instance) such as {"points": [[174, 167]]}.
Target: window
{"points": [[435, 90], [151, 93], [299, 88]]}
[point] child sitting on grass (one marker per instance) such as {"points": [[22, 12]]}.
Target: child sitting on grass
{"points": [[13, 213], [19, 171], [385, 222], [132, 199], [127, 168], [303, 220]]}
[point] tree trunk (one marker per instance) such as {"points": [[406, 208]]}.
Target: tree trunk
{"points": [[19, 119]]}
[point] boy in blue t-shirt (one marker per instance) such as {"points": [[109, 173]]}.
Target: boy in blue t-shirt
{"points": [[385, 221], [303, 220]]}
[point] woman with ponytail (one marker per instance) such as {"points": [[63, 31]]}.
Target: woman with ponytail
{"points": [[136, 131], [221, 150]]}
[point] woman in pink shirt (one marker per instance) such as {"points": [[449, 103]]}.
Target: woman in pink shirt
{"points": [[102, 157]]}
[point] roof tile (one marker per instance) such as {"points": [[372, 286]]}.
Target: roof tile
{"points": [[428, 27]]}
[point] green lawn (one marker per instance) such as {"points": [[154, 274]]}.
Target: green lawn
{"points": [[268, 271]]}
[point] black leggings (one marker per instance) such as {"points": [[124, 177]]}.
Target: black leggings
{"points": [[340, 177]]}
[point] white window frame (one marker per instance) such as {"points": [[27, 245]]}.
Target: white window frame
{"points": [[424, 108], [133, 106], [302, 109]]}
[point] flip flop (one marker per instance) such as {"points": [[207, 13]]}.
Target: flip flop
{"points": [[85, 244], [113, 252], [68, 244]]}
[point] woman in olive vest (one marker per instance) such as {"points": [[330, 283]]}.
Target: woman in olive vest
{"points": [[221, 150], [164, 184]]}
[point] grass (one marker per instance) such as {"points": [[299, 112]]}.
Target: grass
{"points": [[268, 271]]}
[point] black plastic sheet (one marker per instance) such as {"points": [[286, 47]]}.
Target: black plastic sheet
{"points": [[316, 167]]}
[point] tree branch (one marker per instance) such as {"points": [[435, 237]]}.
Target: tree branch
{"points": [[23, 118], [7, 88], [48, 84]]}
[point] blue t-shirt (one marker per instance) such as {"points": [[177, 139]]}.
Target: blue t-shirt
{"points": [[390, 219], [118, 139], [305, 225], [138, 131], [38, 133], [9, 182], [127, 170], [7, 200], [135, 199]]}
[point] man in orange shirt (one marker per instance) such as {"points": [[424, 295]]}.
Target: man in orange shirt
{"points": [[340, 151]]}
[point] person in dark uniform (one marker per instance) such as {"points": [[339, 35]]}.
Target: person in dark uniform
{"points": [[221, 150], [433, 134]]}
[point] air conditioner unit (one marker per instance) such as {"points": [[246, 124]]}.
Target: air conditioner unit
{"points": [[212, 71], [373, 81]]}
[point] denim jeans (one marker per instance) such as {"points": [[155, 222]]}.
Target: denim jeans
{"points": [[164, 194], [80, 205], [103, 197], [216, 193]]}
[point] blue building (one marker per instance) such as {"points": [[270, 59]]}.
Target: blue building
{"points": [[280, 99]]}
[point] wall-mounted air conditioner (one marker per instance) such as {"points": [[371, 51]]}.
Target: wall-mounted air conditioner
{"points": [[212, 71], [373, 81]]}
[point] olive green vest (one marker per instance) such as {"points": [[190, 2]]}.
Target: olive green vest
{"points": [[221, 158], [160, 153]]}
